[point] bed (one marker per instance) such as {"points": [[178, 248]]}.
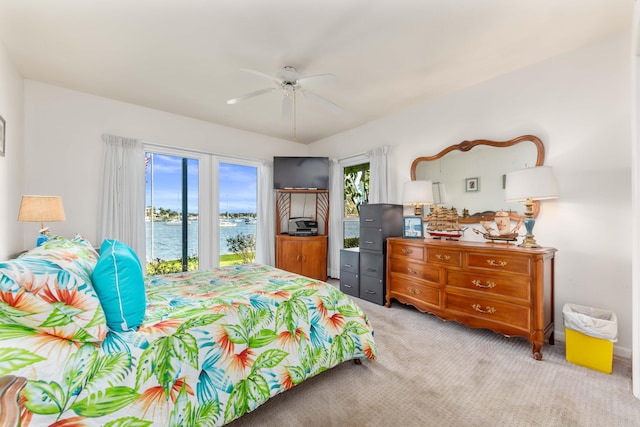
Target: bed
{"points": [[210, 346]]}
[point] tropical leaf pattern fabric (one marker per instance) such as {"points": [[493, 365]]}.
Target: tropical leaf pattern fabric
{"points": [[214, 345], [48, 289]]}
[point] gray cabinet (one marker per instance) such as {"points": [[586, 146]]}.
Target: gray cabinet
{"points": [[350, 271], [377, 222]]}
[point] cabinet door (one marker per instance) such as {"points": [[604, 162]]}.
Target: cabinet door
{"points": [[314, 259], [290, 256]]}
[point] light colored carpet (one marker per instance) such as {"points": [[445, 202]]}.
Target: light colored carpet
{"points": [[435, 373]]}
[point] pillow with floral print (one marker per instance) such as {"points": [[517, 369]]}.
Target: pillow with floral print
{"points": [[76, 255], [50, 291]]}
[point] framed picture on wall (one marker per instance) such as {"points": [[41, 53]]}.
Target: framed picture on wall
{"points": [[472, 184], [2, 133], [412, 227]]}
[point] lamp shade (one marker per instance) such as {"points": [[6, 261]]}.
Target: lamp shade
{"points": [[417, 193], [41, 209], [538, 183]]}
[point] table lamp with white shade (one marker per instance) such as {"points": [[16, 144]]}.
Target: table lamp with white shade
{"points": [[41, 209], [527, 185], [417, 193]]}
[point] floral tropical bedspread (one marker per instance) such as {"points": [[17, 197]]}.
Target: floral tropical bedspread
{"points": [[214, 345]]}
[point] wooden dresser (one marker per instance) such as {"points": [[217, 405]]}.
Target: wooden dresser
{"points": [[498, 286]]}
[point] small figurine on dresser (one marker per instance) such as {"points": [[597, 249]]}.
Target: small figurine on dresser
{"points": [[502, 231]]}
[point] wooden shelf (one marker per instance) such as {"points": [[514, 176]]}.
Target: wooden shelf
{"points": [[305, 255]]}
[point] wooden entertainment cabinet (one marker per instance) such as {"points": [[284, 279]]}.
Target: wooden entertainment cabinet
{"points": [[497, 286], [305, 255]]}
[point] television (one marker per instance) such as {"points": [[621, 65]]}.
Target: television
{"points": [[300, 173]]}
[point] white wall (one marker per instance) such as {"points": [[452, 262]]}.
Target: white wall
{"points": [[11, 165], [579, 104], [63, 147]]}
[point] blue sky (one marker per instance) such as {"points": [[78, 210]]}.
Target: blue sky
{"points": [[237, 185]]}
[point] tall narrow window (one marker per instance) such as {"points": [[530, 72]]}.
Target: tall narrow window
{"points": [[171, 213], [356, 193], [238, 208]]}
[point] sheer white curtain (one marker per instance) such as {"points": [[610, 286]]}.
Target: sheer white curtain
{"points": [[265, 239], [336, 232], [121, 213], [379, 177]]}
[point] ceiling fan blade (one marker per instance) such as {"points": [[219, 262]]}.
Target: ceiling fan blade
{"points": [[334, 108], [250, 95], [261, 74], [317, 78], [287, 106]]}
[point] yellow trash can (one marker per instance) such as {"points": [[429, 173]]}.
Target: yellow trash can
{"points": [[590, 334]]}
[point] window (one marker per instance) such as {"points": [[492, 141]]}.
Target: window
{"points": [[195, 202], [171, 213], [356, 193], [238, 185]]}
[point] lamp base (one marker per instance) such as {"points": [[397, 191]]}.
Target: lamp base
{"points": [[529, 222], [529, 242]]}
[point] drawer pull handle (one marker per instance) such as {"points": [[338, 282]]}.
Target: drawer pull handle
{"points": [[370, 292], [346, 285], [406, 251], [371, 269], [369, 220], [411, 271], [368, 242], [479, 284], [494, 263], [487, 310], [443, 257], [414, 291], [348, 265]]}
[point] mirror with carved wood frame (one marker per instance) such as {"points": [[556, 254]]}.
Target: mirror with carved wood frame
{"points": [[485, 161]]}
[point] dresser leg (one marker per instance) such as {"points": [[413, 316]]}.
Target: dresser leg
{"points": [[537, 354]]}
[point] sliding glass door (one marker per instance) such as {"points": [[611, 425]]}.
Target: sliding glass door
{"points": [[237, 207], [171, 214]]}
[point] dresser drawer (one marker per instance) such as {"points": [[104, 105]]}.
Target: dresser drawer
{"points": [[513, 315], [498, 262], [372, 289], [511, 287], [349, 260], [372, 265], [371, 238], [412, 291], [408, 252], [415, 269], [349, 283], [444, 256]]}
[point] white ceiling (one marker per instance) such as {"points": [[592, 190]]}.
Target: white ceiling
{"points": [[184, 56]]}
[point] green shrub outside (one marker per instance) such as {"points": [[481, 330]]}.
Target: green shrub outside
{"points": [[160, 266], [351, 242]]}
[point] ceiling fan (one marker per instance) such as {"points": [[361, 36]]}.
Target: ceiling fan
{"points": [[291, 83]]}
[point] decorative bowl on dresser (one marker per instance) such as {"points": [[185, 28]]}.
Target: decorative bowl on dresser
{"points": [[497, 286]]}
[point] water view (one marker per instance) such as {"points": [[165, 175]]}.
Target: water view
{"points": [[164, 238]]}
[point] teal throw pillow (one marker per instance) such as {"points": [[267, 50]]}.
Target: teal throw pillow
{"points": [[119, 283]]}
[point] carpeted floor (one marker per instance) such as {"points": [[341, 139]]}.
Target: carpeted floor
{"points": [[435, 373]]}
